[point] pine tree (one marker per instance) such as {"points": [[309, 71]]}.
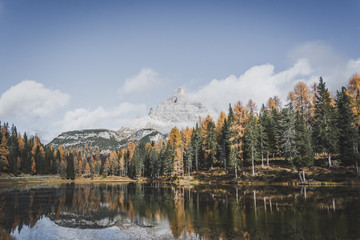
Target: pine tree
{"points": [[14, 151], [154, 163], [276, 131], [263, 137], [63, 168], [210, 145], [346, 126], [324, 125], [25, 157], [70, 170], [223, 145], [227, 134], [195, 147], [287, 139], [138, 160], [168, 159], [303, 156], [251, 134], [269, 126]]}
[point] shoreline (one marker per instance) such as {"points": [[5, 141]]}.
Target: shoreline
{"points": [[55, 179]]}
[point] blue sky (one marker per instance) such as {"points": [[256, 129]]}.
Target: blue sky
{"points": [[84, 54]]}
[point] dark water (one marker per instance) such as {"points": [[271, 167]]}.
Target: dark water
{"points": [[131, 211]]}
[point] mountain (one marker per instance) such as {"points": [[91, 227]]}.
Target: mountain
{"points": [[178, 110], [105, 140]]}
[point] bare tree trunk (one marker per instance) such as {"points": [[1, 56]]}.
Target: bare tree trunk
{"points": [[265, 203], [225, 164], [267, 159], [303, 172], [357, 169], [262, 160], [237, 194], [189, 170], [236, 175], [254, 199], [329, 158], [301, 180]]}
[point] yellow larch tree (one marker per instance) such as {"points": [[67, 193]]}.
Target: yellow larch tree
{"points": [[303, 97], [122, 162], [176, 142], [238, 131], [114, 163], [354, 91], [252, 107], [131, 150], [4, 151], [220, 123], [186, 138], [271, 104], [33, 166]]}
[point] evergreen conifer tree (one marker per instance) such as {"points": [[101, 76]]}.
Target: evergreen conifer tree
{"points": [[70, 170], [347, 131], [324, 128], [251, 139], [303, 156], [287, 139]]}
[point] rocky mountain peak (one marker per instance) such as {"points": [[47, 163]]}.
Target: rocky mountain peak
{"points": [[178, 110], [178, 95]]}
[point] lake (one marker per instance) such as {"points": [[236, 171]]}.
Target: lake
{"points": [[158, 211]]}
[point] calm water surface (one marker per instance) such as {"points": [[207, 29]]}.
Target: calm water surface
{"points": [[133, 211]]}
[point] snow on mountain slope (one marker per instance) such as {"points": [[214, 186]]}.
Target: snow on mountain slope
{"points": [[177, 110], [105, 140]]}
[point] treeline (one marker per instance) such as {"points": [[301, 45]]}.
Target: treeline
{"points": [[23, 154], [312, 124]]}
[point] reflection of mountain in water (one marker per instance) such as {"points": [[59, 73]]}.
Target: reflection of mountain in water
{"points": [[165, 212], [102, 218]]}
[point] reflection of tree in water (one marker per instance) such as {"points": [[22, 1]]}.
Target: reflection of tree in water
{"points": [[227, 213]]}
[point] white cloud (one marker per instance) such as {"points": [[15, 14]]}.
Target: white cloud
{"points": [[326, 62], [258, 83], [82, 118], [144, 80], [30, 99]]}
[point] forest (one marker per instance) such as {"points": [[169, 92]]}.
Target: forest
{"points": [[312, 124]]}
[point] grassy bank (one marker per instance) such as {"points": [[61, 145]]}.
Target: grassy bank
{"points": [[277, 173], [54, 179]]}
